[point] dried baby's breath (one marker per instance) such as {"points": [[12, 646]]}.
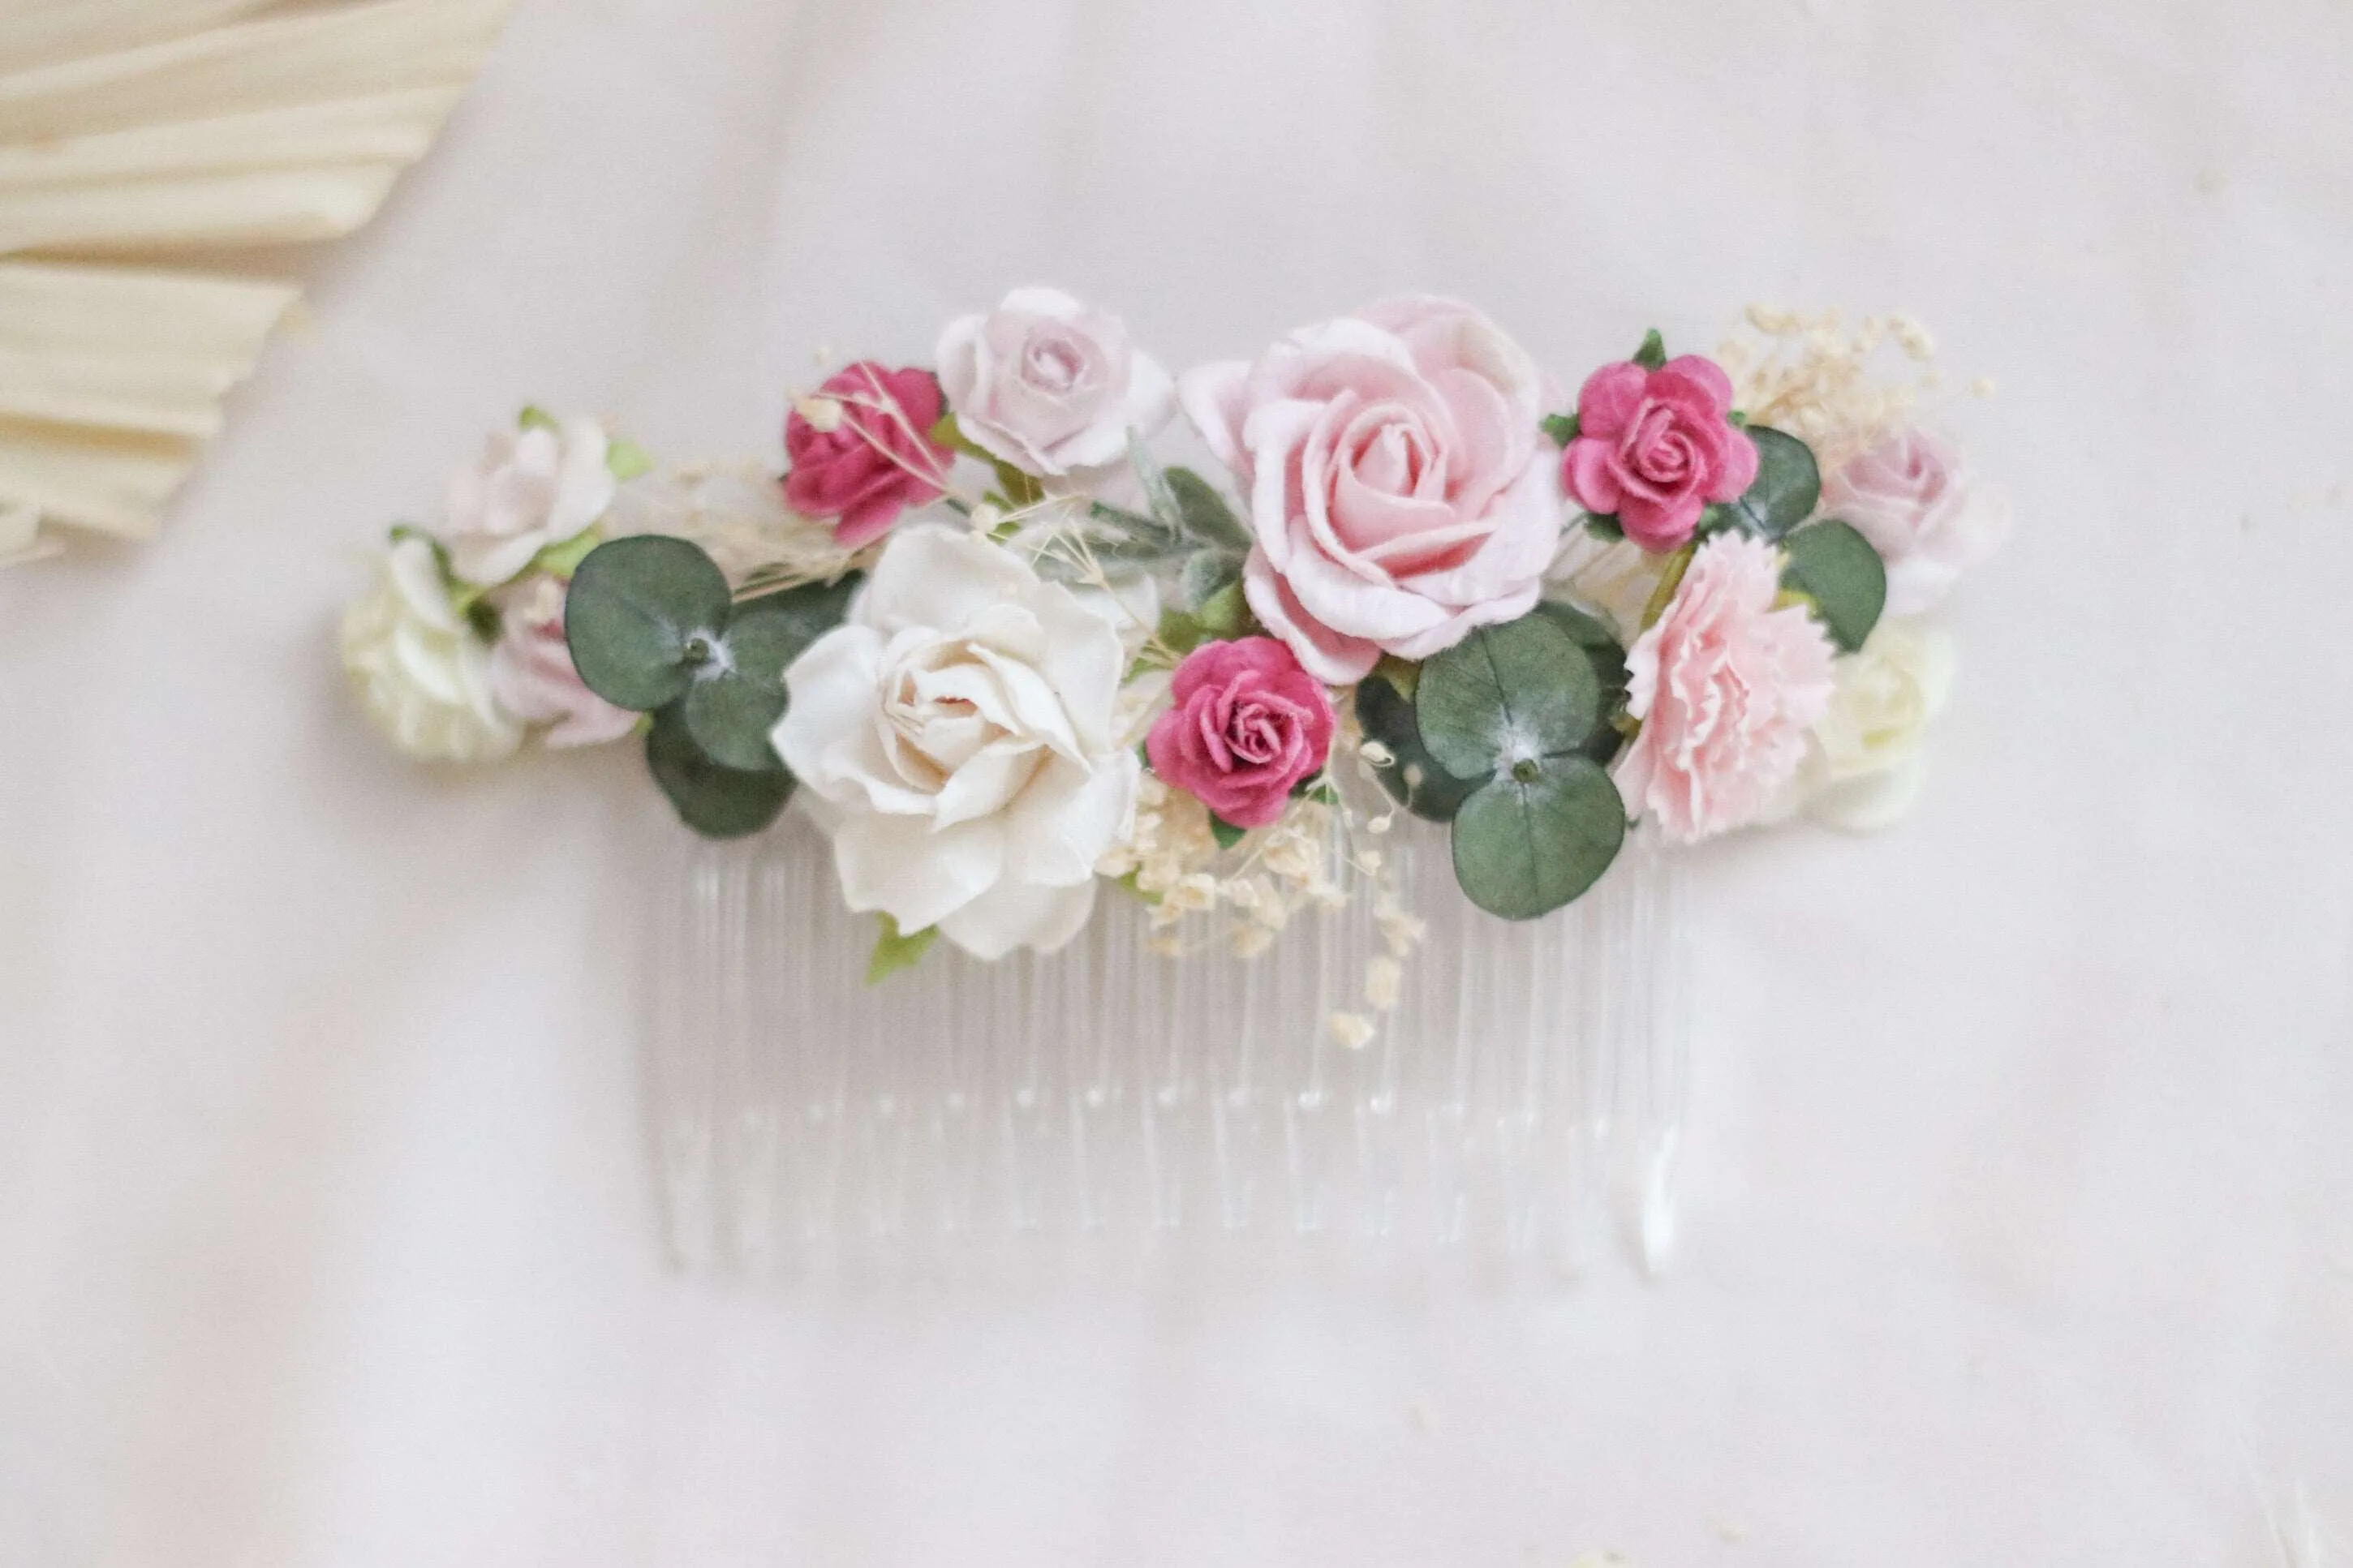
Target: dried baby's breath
{"points": [[1827, 384]]}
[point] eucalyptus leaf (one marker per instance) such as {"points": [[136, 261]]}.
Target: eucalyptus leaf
{"points": [[1504, 694], [642, 614], [625, 460], [1834, 566], [1158, 496], [1204, 512], [715, 801], [1206, 573], [1533, 839], [737, 697], [1412, 777], [895, 950], [1788, 487], [1603, 652]]}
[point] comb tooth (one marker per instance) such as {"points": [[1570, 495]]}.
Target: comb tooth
{"points": [[803, 1120]]}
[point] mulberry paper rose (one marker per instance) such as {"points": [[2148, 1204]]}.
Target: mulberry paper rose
{"points": [[1248, 724], [1397, 488], [959, 728], [874, 457], [1049, 385], [1908, 495], [1654, 446], [417, 668], [1726, 686], [531, 673], [530, 489]]}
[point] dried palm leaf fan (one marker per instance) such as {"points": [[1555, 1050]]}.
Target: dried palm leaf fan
{"points": [[141, 141]]}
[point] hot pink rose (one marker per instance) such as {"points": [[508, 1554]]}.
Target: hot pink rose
{"points": [[1726, 688], [1249, 723], [1908, 495], [1397, 492], [1654, 446], [877, 460], [532, 677]]}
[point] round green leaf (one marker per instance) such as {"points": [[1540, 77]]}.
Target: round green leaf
{"points": [[640, 617], [1537, 838], [1608, 661], [1506, 693], [716, 802], [1413, 777], [1836, 567], [736, 698], [1788, 487]]}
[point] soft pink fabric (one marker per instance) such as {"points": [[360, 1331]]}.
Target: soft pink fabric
{"points": [[878, 461], [1654, 446], [1726, 688], [1249, 723], [1398, 488], [532, 677]]}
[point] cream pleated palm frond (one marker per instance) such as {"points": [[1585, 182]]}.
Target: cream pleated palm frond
{"points": [[146, 145]]}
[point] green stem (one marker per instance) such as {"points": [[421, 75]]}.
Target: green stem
{"points": [[1669, 581]]}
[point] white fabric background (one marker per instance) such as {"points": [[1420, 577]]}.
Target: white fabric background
{"points": [[2019, 1223]]}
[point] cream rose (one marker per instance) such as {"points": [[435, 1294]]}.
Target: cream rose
{"points": [[528, 490], [1864, 768], [417, 668], [1049, 385], [1398, 487], [960, 730]]}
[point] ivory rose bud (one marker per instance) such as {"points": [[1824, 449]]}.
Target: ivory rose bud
{"points": [[1908, 495], [1049, 385], [1726, 686], [1248, 724], [418, 670], [1654, 446], [960, 730], [529, 488], [1865, 767], [531, 672], [1398, 493], [873, 458]]}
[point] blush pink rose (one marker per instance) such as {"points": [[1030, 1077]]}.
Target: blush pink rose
{"points": [[1397, 492], [1248, 725], [1049, 385], [1908, 495], [1726, 688], [878, 459], [1654, 446], [531, 673]]}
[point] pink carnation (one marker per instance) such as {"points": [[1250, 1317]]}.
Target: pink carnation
{"points": [[1726, 688], [878, 459], [1249, 723], [1654, 446]]}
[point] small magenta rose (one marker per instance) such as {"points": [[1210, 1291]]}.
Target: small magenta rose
{"points": [[1654, 446], [1248, 725], [870, 455]]}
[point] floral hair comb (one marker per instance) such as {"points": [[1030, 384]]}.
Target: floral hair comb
{"points": [[1039, 692]]}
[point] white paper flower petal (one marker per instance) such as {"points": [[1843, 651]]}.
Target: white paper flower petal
{"points": [[1020, 914]]}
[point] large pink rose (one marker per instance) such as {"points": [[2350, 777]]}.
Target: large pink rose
{"points": [[1397, 490], [1908, 495], [1654, 446], [1726, 688], [876, 458], [1249, 723]]}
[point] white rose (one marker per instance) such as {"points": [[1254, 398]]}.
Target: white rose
{"points": [[959, 729], [1929, 521], [417, 668], [1049, 385], [530, 489], [1863, 769]]}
